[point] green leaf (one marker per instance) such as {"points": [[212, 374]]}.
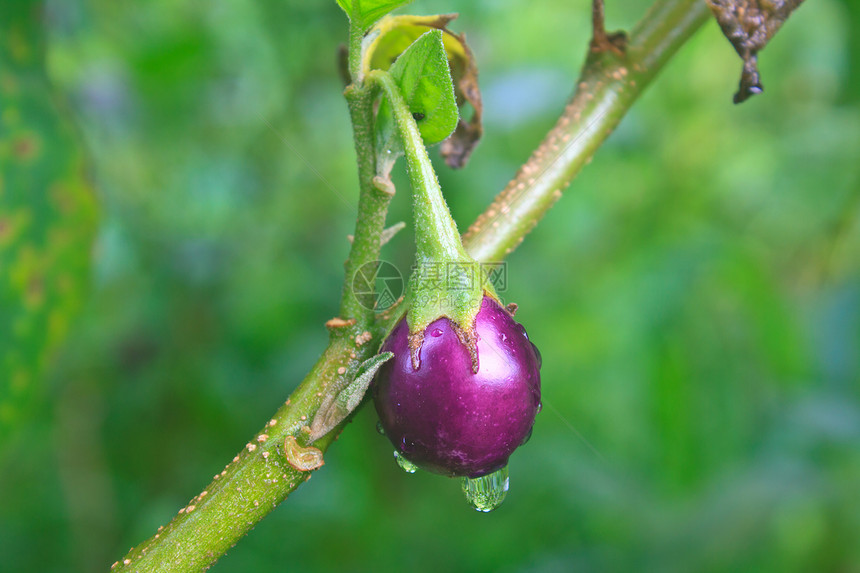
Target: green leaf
{"points": [[363, 13], [47, 216], [422, 74], [335, 408], [393, 34]]}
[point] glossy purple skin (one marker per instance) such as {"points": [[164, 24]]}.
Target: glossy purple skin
{"points": [[448, 420]]}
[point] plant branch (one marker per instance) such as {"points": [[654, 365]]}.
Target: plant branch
{"points": [[601, 41], [436, 236], [372, 204], [608, 86], [260, 477]]}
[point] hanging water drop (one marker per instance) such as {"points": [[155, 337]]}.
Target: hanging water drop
{"points": [[405, 464], [538, 355], [379, 428], [528, 437], [486, 493]]}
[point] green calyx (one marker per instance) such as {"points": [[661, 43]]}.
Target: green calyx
{"points": [[446, 281]]}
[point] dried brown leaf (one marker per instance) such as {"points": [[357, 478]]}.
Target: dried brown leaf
{"points": [[749, 25]]}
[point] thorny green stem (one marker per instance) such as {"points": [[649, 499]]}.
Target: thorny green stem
{"points": [[436, 239], [247, 489], [373, 204], [436, 235], [373, 199], [259, 478], [608, 86], [356, 35]]}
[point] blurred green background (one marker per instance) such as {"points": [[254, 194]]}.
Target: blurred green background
{"points": [[696, 297]]}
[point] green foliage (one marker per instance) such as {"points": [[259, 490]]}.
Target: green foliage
{"points": [[695, 295], [348, 399], [47, 217], [394, 34], [421, 72], [363, 13]]}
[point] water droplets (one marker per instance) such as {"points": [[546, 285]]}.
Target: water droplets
{"points": [[379, 429], [537, 355], [405, 464], [486, 493], [436, 332], [528, 436]]}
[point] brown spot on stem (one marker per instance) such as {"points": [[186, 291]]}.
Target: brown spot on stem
{"points": [[384, 185], [338, 322], [302, 459], [363, 338]]}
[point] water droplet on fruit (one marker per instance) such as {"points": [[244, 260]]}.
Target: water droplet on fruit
{"points": [[379, 428], [528, 436], [504, 337], [405, 464], [537, 353], [486, 493], [436, 332]]}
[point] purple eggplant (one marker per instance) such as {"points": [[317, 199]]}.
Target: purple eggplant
{"points": [[446, 417]]}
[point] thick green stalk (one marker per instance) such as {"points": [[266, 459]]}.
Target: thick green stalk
{"points": [[436, 235], [373, 204], [374, 198], [446, 281], [259, 478], [608, 86], [248, 488], [356, 35]]}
